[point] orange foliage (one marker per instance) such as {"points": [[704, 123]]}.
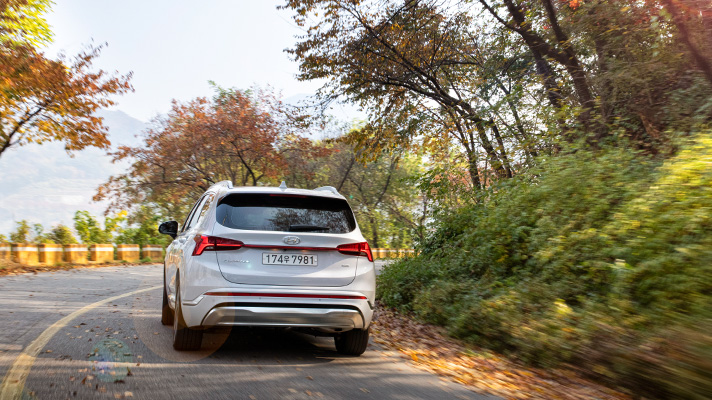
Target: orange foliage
{"points": [[237, 136], [45, 100]]}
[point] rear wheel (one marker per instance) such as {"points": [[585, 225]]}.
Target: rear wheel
{"points": [[353, 342], [166, 312], [184, 338]]}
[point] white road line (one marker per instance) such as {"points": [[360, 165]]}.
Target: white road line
{"points": [[14, 381]]}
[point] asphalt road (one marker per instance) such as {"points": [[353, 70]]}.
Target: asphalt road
{"points": [[96, 333]]}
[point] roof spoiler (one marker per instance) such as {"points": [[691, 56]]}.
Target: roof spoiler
{"points": [[226, 184], [328, 189]]}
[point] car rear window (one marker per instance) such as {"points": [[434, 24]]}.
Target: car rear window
{"points": [[285, 213]]}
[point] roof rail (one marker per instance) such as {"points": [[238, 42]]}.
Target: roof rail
{"points": [[227, 184], [328, 189]]}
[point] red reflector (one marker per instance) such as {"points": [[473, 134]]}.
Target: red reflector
{"points": [[206, 243], [296, 295], [356, 249]]}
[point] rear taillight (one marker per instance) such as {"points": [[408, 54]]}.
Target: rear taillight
{"points": [[356, 249], [206, 243]]}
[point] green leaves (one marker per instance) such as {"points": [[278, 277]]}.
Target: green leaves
{"points": [[90, 231]]}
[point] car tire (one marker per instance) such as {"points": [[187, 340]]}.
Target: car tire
{"points": [[184, 338], [166, 312], [353, 342]]}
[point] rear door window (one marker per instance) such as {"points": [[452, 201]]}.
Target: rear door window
{"points": [[186, 224], [285, 213]]}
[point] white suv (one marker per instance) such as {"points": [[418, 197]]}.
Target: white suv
{"points": [[273, 257]]}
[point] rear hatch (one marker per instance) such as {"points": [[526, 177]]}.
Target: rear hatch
{"points": [[289, 240]]}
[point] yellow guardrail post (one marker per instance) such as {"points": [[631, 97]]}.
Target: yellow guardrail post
{"points": [[25, 253], [128, 252], [5, 251], [75, 253], [100, 253], [153, 251], [50, 253]]}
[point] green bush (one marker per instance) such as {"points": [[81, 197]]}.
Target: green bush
{"points": [[591, 258]]}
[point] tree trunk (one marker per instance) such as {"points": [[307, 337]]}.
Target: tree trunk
{"points": [[374, 231]]}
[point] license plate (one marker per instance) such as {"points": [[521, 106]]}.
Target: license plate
{"points": [[288, 259]]}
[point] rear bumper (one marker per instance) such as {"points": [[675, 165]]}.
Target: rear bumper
{"points": [[282, 316], [264, 310]]}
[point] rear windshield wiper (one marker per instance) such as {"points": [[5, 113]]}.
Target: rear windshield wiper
{"points": [[307, 228]]}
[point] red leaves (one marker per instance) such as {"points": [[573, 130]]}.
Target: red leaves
{"points": [[242, 136], [45, 100]]}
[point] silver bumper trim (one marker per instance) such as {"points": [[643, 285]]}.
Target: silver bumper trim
{"points": [[284, 316]]}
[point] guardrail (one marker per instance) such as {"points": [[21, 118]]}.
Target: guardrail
{"points": [[53, 254], [392, 253]]}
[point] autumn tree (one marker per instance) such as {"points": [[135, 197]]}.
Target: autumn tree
{"points": [[415, 68], [241, 136], [390, 209], [507, 79], [620, 66], [48, 100]]}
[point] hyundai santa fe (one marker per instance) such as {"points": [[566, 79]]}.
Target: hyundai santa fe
{"points": [[269, 257]]}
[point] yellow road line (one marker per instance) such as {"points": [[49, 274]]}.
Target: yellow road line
{"points": [[14, 380]]}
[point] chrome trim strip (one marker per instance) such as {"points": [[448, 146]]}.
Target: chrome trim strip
{"points": [[284, 316]]}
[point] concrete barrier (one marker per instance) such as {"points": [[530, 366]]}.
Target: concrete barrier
{"points": [[25, 253], [50, 253], [5, 251], [100, 253], [128, 252], [152, 251], [380, 253], [75, 253]]}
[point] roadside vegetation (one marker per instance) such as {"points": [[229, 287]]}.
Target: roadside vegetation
{"points": [[601, 260], [569, 172]]}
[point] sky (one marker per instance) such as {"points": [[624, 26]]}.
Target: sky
{"points": [[174, 47]]}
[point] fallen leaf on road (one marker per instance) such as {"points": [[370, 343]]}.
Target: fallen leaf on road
{"points": [[429, 348]]}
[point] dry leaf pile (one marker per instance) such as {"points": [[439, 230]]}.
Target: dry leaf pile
{"points": [[483, 371]]}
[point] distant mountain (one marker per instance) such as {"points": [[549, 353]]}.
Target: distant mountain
{"points": [[42, 184]]}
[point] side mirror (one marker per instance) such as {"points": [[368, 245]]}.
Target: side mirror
{"points": [[169, 228]]}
